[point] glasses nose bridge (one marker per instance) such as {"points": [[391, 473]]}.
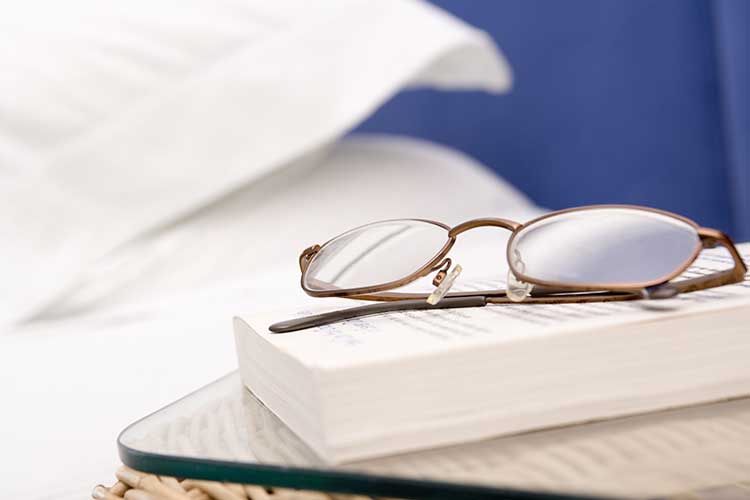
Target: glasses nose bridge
{"points": [[484, 222]]}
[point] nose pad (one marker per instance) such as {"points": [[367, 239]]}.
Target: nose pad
{"points": [[517, 290], [443, 281]]}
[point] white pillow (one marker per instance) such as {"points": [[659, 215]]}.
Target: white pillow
{"points": [[261, 228], [119, 117]]}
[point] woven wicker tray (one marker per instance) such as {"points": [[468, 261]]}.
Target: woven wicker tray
{"points": [[134, 485]]}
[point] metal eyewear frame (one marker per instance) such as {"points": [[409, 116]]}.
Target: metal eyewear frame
{"points": [[544, 292]]}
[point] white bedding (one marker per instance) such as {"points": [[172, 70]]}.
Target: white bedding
{"points": [[116, 119], [162, 164]]}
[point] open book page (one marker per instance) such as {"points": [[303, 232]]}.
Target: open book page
{"points": [[418, 333]]}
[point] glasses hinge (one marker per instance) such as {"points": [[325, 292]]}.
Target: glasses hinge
{"points": [[306, 256]]}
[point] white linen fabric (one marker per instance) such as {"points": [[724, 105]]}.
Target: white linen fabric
{"points": [[71, 382], [116, 119], [266, 224], [161, 165]]}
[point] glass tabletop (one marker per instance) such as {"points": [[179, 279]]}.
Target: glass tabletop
{"points": [[222, 432]]}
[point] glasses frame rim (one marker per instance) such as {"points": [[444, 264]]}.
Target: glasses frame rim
{"points": [[589, 287], [707, 238], [309, 254]]}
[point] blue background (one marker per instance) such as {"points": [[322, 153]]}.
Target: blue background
{"points": [[641, 101]]}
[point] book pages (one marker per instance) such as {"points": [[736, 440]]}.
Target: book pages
{"points": [[370, 339]]}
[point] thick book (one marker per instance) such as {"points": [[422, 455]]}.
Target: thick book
{"points": [[404, 381]]}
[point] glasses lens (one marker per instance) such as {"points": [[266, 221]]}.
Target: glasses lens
{"points": [[603, 247], [375, 254]]}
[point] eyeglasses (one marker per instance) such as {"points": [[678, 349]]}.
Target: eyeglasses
{"points": [[586, 254]]}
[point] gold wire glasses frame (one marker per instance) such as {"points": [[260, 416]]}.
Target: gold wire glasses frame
{"points": [[521, 288]]}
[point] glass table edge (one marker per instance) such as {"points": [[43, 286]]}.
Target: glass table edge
{"points": [[316, 479]]}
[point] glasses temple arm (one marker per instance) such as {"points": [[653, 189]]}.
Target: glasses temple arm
{"points": [[421, 304], [293, 325], [712, 238]]}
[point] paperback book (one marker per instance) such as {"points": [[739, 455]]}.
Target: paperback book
{"points": [[411, 380]]}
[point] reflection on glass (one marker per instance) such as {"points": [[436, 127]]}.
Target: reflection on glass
{"points": [[375, 254], [614, 246]]}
